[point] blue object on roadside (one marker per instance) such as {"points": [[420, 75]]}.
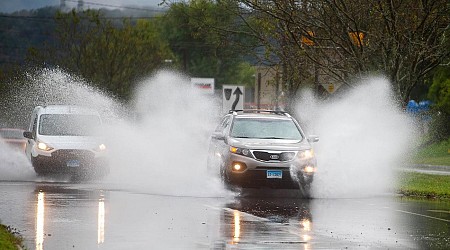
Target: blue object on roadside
{"points": [[424, 106], [412, 107]]}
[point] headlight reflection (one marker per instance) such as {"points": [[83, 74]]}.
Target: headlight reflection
{"points": [[237, 226], [306, 224], [101, 221], [40, 221]]}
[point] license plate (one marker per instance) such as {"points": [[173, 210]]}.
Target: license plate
{"points": [[73, 163], [274, 174]]}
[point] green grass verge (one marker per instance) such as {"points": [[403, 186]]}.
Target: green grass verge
{"points": [[9, 238], [435, 154], [424, 185]]}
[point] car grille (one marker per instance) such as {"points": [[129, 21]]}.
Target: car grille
{"points": [[66, 154], [274, 156]]}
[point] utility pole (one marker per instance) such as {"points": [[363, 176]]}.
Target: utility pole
{"points": [[258, 101]]}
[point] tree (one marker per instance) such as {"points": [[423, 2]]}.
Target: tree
{"points": [[111, 55], [348, 39], [199, 34]]}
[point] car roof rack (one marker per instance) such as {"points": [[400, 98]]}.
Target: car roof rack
{"points": [[277, 112]]}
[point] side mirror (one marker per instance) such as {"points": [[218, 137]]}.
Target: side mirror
{"points": [[28, 134], [218, 136], [313, 138]]}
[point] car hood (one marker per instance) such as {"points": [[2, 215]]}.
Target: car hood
{"points": [[270, 144], [71, 142]]}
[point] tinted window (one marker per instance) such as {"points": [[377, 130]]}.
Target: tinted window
{"points": [[68, 124], [265, 129]]}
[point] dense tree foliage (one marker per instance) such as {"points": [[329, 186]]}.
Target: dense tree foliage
{"points": [[110, 55], [199, 34], [113, 51], [309, 41], [347, 39]]}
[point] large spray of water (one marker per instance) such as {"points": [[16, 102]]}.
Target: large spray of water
{"points": [[164, 149], [364, 138], [158, 143], [13, 164]]}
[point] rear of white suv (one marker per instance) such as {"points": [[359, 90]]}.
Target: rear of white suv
{"points": [[62, 139]]}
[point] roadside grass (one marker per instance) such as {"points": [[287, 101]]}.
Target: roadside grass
{"points": [[9, 238], [434, 154], [424, 185]]}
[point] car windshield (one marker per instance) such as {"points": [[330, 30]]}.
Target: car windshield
{"points": [[11, 134], [68, 124], [265, 129]]}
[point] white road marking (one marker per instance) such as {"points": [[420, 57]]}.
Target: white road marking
{"points": [[426, 216]]}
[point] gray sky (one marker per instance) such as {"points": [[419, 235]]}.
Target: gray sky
{"points": [[8, 6]]}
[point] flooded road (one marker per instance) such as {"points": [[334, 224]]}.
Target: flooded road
{"points": [[64, 215]]}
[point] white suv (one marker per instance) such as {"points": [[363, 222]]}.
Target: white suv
{"points": [[62, 139]]}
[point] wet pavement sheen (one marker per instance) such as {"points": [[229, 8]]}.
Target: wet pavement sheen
{"points": [[61, 215]]}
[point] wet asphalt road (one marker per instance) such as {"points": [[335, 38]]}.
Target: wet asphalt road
{"points": [[64, 215]]}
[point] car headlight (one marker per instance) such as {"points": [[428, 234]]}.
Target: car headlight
{"points": [[101, 147], [43, 146], [306, 155], [240, 151]]}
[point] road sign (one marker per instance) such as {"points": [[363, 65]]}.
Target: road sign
{"points": [[204, 84], [331, 87], [233, 97]]}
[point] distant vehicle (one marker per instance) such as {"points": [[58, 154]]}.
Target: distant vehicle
{"points": [[13, 137], [62, 139], [257, 148]]}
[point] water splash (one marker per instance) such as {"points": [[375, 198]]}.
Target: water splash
{"points": [[13, 164], [364, 137], [157, 143], [165, 149]]}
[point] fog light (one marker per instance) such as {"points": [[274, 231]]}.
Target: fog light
{"points": [[309, 169], [238, 166]]}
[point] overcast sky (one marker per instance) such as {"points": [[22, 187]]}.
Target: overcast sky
{"points": [[8, 6]]}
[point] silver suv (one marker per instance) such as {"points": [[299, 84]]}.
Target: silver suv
{"points": [[255, 148]]}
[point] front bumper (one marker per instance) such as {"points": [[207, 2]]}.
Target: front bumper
{"points": [[254, 173], [70, 161]]}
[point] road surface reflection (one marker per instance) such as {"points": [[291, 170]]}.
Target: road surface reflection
{"points": [[91, 216], [55, 199]]}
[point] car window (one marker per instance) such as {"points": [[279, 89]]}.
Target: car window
{"points": [[68, 124], [265, 129]]}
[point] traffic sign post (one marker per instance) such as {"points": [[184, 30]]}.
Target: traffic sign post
{"points": [[232, 97]]}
